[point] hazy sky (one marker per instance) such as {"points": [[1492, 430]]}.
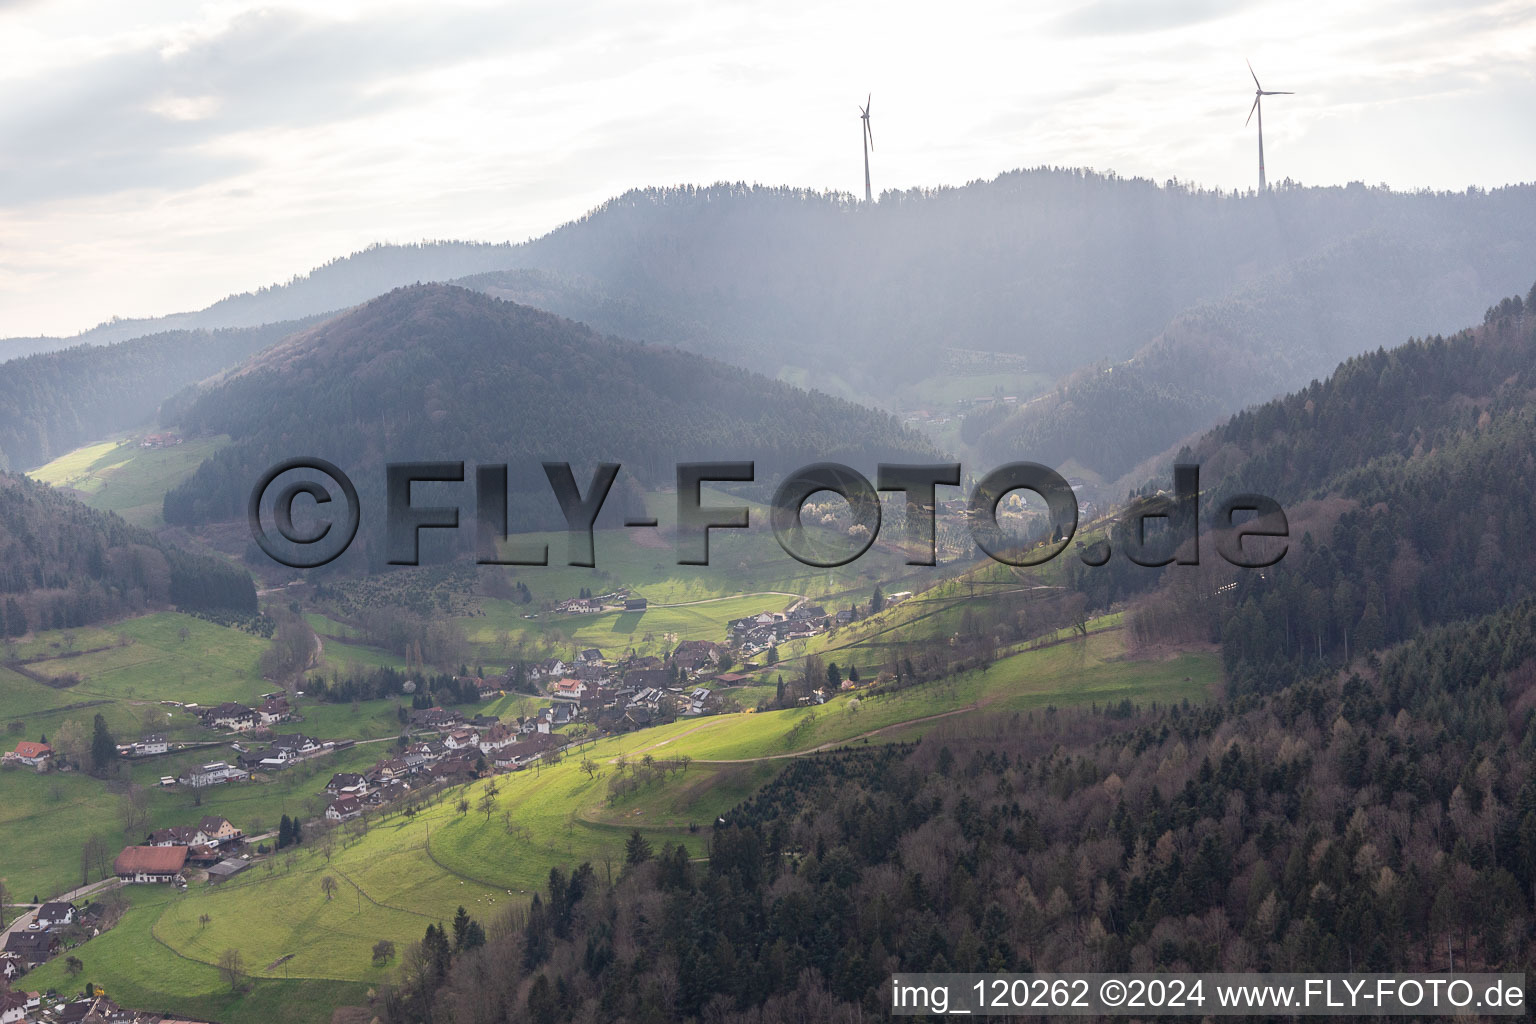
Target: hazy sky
{"points": [[156, 156]]}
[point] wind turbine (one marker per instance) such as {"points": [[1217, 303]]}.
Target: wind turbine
{"points": [[1258, 94], [869, 144]]}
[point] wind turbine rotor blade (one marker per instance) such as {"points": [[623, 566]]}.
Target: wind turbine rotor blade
{"points": [[1251, 110], [869, 132], [1252, 72], [1279, 94]]}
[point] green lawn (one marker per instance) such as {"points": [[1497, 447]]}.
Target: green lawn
{"points": [[118, 476]]}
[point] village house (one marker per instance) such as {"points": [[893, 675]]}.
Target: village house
{"points": [[525, 751], [149, 746], [436, 718], [12, 966], [496, 738], [232, 716], [213, 774], [94, 1009], [569, 689], [13, 1007], [344, 808], [274, 710], [694, 656], [461, 739], [33, 755], [150, 864], [346, 784], [550, 668], [55, 915], [386, 793]]}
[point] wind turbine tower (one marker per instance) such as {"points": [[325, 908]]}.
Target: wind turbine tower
{"points": [[1258, 107], [869, 144]]}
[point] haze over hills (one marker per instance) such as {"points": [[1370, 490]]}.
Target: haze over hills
{"points": [[1406, 475], [441, 372], [1203, 301], [51, 403]]}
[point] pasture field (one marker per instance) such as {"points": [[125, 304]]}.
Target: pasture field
{"points": [[46, 820], [117, 475], [132, 965]]}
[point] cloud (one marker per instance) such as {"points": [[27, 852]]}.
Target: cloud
{"points": [[170, 113], [1121, 17]]}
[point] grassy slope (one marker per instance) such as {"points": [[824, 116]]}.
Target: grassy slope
{"points": [[119, 476], [407, 872]]}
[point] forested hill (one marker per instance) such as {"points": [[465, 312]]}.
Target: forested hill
{"points": [[1063, 267], [64, 565], [1377, 820], [54, 402], [1410, 480], [1294, 322], [440, 372]]}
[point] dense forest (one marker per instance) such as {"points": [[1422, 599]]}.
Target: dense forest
{"points": [[439, 372], [53, 403], [64, 565], [1408, 475], [1379, 818]]}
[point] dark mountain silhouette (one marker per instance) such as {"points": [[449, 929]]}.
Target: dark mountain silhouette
{"points": [[441, 372]]}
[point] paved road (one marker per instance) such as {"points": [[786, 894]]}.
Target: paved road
{"points": [[25, 917]]}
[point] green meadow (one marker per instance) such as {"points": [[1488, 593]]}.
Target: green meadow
{"points": [[408, 871], [119, 476]]}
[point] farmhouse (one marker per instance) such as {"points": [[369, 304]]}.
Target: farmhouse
{"points": [[35, 755], [151, 864]]}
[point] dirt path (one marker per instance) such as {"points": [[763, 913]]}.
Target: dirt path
{"points": [[834, 744], [732, 597]]}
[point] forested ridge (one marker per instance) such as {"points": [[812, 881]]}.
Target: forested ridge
{"points": [[52, 403], [440, 372], [1411, 478], [1290, 323], [1375, 819], [63, 564]]}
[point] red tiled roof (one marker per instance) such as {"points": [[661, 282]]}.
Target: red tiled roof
{"points": [[26, 748], [154, 860]]}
